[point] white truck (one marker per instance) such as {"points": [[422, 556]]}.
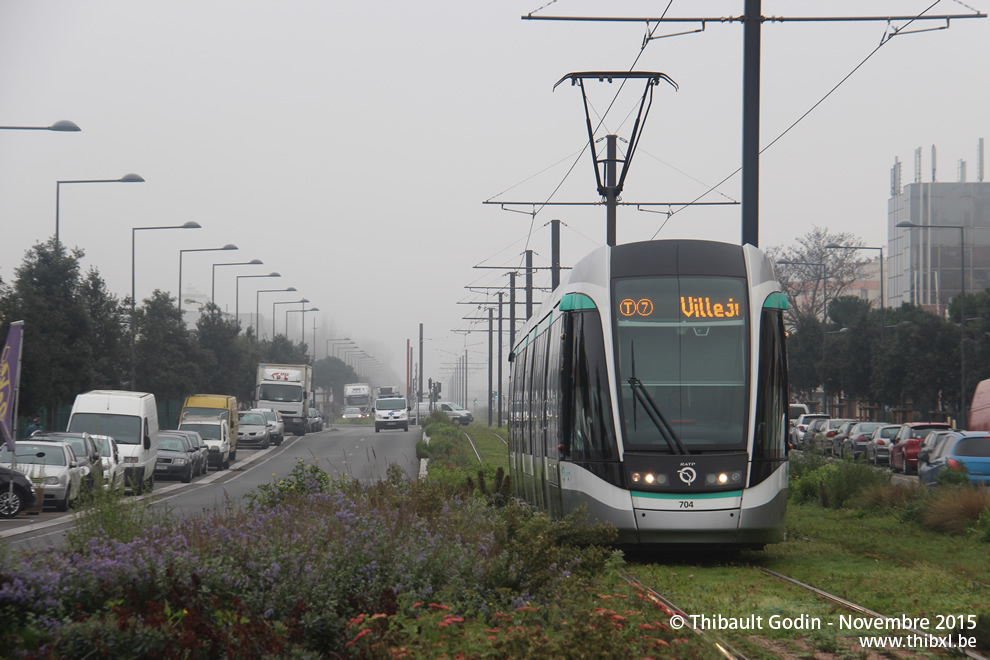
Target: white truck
{"points": [[287, 388], [358, 395]]}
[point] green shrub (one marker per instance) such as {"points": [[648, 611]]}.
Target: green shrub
{"points": [[105, 513], [832, 485], [955, 510]]}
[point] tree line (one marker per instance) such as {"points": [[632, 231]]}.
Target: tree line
{"points": [[903, 357], [77, 337]]}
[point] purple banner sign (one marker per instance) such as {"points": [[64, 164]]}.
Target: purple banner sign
{"points": [[10, 362]]}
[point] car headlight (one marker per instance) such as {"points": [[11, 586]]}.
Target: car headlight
{"points": [[179, 461], [130, 459], [50, 481]]}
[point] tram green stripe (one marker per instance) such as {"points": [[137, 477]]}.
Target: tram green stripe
{"points": [[687, 496], [775, 301], [573, 301]]}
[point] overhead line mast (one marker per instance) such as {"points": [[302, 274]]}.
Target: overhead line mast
{"points": [[751, 82]]}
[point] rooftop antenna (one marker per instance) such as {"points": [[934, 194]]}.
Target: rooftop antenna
{"points": [[962, 171], [612, 189], [895, 178], [933, 163], [917, 165]]}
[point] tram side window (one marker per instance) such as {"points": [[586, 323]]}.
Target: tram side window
{"points": [[772, 399], [516, 414], [592, 432], [537, 391], [553, 388]]}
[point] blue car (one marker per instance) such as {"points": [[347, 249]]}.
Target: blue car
{"points": [[967, 450]]}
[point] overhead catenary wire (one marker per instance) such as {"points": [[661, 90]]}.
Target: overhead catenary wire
{"points": [[883, 41]]}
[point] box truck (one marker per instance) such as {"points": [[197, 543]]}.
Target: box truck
{"points": [[287, 388]]}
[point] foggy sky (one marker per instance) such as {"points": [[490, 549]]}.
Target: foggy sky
{"points": [[350, 145]]}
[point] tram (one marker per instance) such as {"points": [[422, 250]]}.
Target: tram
{"points": [[651, 387]]}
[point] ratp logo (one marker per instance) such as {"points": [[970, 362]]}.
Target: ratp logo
{"points": [[687, 475]]}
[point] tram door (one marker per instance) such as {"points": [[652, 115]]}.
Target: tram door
{"points": [[538, 425], [552, 438]]}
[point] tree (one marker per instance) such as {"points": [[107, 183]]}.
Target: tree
{"points": [[168, 358], [110, 343], [804, 353], [228, 359], [57, 349], [282, 350], [801, 276], [331, 372]]}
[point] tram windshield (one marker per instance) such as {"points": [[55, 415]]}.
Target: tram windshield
{"points": [[683, 341]]}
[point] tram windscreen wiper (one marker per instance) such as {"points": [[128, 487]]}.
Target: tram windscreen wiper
{"points": [[642, 395]]}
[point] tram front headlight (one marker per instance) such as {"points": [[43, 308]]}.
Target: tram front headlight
{"points": [[724, 478], [649, 478]]}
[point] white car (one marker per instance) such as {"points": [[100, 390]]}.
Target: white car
{"points": [[53, 468], [352, 413], [113, 465]]}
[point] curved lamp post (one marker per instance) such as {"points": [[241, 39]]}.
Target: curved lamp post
{"points": [[257, 302], [285, 302], [213, 283], [237, 292], [303, 312], [228, 246], [127, 178], [134, 231]]}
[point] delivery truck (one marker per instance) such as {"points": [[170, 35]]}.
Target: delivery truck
{"points": [[287, 388]]}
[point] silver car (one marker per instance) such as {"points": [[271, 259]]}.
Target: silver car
{"points": [[276, 427], [878, 446], [52, 467], [252, 429]]}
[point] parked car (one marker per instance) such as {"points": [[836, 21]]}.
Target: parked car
{"points": [[855, 441], [352, 413], [933, 440], [216, 434], [800, 426], [878, 447], [51, 466], [314, 421], [967, 451], [276, 427], [795, 410], [907, 443], [202, 455], [113, 464], [252, 430], [814, 426], [826, 431], [176, 456], [16, 493], [834, 443], [85, 449]]}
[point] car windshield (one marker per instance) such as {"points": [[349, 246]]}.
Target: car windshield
{"points": [[170, 442], [32, 454], [222, 413], [391, 404], [252, 419], [270, 416], [889, 432], [125, 429], [282, 392], [103, 443], [206, 431], [352, 411], [866, 428]]}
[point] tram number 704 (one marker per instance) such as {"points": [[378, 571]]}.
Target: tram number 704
{"points": [[687, 504]]}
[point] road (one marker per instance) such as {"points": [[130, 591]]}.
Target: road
{"points": [[352, 451]]}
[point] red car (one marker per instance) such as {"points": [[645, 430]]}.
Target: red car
{"points": [[906, 444]]}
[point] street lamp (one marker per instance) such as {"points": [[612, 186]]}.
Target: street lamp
{"points": [[284, 302], [228, 246], [134, 231], [883, 297], [213, 283], [127, 178], [257, 303], [963, 414], [61, 126], [333, 341], [344, 352], [237, 292], [303, 312], [824, 320]]}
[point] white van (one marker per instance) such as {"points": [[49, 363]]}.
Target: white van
{"points": [[130, 418]]}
